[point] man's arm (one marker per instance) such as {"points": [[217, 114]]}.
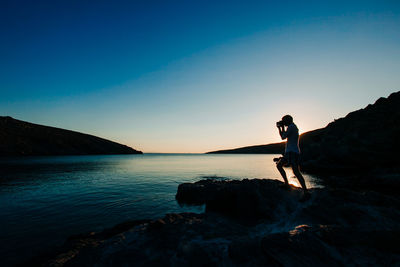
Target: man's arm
{"points": [[282, 132]]}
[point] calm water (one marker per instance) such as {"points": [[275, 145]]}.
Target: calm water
{"points": [[46, 199]]}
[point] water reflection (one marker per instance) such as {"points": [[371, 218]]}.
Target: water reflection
{"points": [[46, 199]]}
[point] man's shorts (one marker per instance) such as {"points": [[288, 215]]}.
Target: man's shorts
{"points": [[291, 158]]}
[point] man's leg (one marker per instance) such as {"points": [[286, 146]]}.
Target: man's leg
{"points": [[279, 165], [299, 176]]}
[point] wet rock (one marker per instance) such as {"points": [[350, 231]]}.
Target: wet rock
{"points": [[249, 223], [247, 200]]}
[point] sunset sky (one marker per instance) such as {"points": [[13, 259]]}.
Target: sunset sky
{"points": [[194, 76]]}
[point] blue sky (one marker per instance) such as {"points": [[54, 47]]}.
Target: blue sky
{"points": [[194, 76]]}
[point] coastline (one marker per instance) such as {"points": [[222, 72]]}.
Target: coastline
{"points": [[252, 223]]}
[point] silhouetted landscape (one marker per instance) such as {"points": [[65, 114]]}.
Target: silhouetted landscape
{"points": [[353, 220], [363, 140], [271, 132], [20, 138]]}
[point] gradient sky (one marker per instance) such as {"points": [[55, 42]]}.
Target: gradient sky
{"points": [[194, 76]]}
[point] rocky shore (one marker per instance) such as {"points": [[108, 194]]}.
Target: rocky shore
{"points": [[249, 223]]}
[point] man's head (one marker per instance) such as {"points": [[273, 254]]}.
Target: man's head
{"points": [[287, 120]]}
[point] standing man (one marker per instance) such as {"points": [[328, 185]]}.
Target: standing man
{"points": [[292, 152]]}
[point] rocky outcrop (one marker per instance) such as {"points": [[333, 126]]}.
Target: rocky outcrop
{"points": [[19, 138], [246, 200], [364, 140], [249, 223]]}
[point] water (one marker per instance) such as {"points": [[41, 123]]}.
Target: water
{"points": [[46, 199]]}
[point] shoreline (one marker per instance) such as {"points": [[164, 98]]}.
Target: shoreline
{"points": [[256, 216]]}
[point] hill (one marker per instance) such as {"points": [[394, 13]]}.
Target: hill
{"points": [[364, 139], [275, 148], [20, 138]]}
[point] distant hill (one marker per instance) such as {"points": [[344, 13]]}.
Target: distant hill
{"points": [[364, 139], [276, 148], [20, 138]]}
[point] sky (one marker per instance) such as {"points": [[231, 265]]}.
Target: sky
{"points": [[194, 76]]}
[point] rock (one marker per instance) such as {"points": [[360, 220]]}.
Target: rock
{"points": [[249, 223], [298, 247], [248, 200], [246, 251], [360, 142], [332, 246]]}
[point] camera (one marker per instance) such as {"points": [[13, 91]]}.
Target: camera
{"points": [[283, 161], [277, 159], [279, 124]]}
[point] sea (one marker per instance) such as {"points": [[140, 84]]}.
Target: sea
{"points": [[44, 200]]}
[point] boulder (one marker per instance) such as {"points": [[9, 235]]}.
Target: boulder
{"points": [[247, 200]]}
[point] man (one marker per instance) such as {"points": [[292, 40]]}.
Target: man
{"points": [[292, 152]]}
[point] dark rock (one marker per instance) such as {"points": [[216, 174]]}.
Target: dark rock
{"points": [[298, 247], [364, 139], [155, 225], [247, 251], [248, 200], [387, 181], [332, 246], [336, 227]]}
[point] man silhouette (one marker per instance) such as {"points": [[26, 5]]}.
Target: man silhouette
{"points": [[292, 152]]}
